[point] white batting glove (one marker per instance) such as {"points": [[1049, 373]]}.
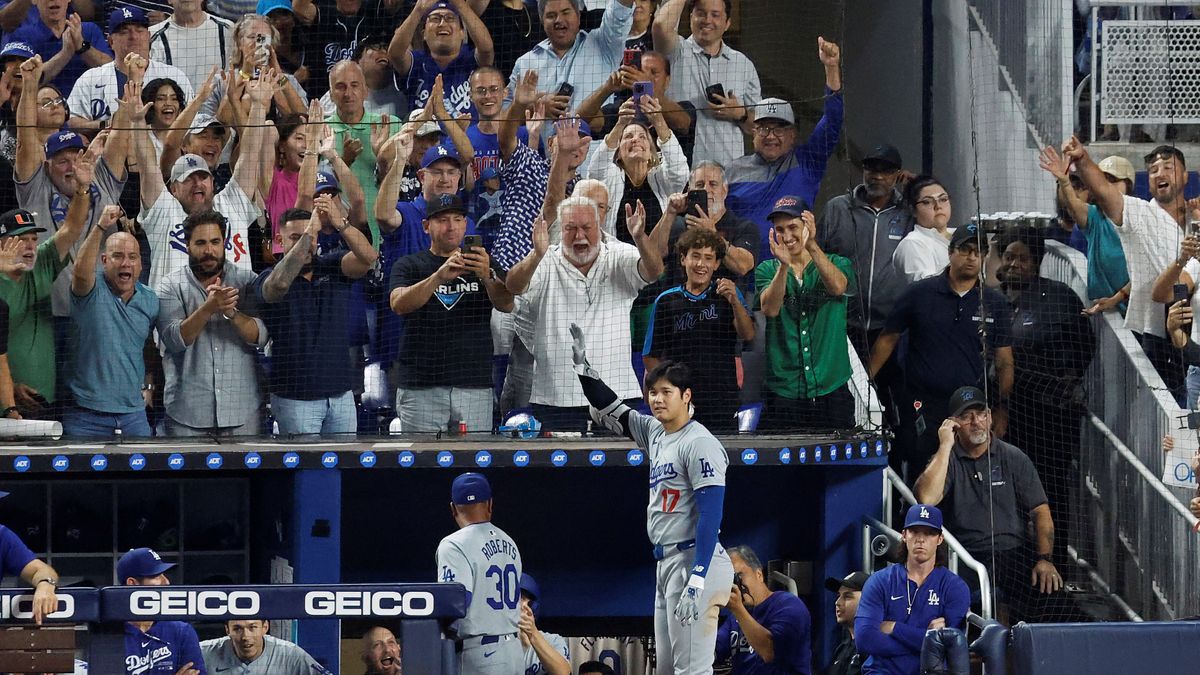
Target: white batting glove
{"points": [[579, 354], [688, 609]]}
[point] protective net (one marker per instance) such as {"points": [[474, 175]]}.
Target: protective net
{"points": [[405, 155]]}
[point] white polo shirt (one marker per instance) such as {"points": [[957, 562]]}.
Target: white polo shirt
{"points": [[163, 223], [95, 93], [599, 303], [922, 253], [1151, 239]]}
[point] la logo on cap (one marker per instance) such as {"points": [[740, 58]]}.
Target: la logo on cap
{"points": [[155, 554], [191, 162], [320, 178], [771, 107], [924, 512], [126, 13], [442, 150]]}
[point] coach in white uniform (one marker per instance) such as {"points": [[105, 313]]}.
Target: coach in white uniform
{"points": [[246, 649], [687, 497], [93, 100], [485, 559]]}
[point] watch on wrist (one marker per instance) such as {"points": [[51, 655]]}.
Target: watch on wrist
{"points": [[87, 44], [47, 580], [147, 387]]}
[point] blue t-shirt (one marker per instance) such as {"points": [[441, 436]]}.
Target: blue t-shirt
{"points": [[32, 16], [456, 90], [890, 595], [790, 624], [487, 208], [310, 356], [110, 379], [42, 39], [14, 554], [165, 648], [1107, 270]]}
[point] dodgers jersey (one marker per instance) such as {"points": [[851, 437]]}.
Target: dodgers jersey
{"points": [[165, 648], [279, 657], [485, 559], [889, 595], [680, 463], [533, 665], [95, 94]]}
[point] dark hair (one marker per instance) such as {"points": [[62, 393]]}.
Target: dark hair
{"points": [[151, 90], [293, 214], [541, 7], [288, 124], [48, 85], [695, 237], [913, 191], [674, 372], [369, 43], [691, 4], [1165, 152], [206, 217], [1025, 234], [662, 57], [595, 667]]}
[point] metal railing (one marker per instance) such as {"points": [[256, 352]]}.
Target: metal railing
{"points": [[1033, 42], [893, 484], [1134, 531]]}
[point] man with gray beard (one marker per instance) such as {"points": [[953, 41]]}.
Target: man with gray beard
{"points": [[988, 490], [589, 282]]}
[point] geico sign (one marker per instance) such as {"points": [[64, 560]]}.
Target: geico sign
{"points": [[21, 607], [368, 603], [197, 603]]}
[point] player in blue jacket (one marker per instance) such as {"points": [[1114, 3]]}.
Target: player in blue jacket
{"points": [[687, 495], [900, 603], [156, 646]]}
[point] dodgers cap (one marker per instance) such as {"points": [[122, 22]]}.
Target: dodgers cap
{"points": [[470, 488], [188, 165], [140, 563], [923, 515]]}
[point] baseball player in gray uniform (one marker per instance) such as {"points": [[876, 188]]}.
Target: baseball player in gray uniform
{"points": [[246, 649], [687, 495], [486, 560], [544, 652]]}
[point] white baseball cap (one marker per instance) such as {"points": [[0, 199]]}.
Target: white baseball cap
{"points": [[188, 165], [774, 109], [427, 128]]}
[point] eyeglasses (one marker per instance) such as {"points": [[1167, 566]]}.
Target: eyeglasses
{"points": [[940, 200], [763, 132], [484, 91], [51, 102], [973, 416], [439, 19]]}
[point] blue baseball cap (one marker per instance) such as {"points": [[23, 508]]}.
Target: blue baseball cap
{"points": [[442, 4], [265, 7], [790, 205], [470, 488], [123, 15], [924, 515], [438, 152], [16, 50], [64, 139], [140, 563], [327, 181], [584, 129], [529, 586], [489, 173]]}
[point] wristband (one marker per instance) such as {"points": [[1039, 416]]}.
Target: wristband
{"points": [[696, 581], [87, 44]]}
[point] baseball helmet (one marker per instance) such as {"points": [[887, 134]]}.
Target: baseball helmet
{"points": [[521, 425]]}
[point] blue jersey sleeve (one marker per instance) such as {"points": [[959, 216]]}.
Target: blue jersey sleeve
{"points": [[872, 605], [958, 601], [710, 502], [189, 648], [93, 34], [14, 554]]}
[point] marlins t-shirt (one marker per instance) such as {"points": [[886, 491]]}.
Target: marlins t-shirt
{"points": [[447, 342]]}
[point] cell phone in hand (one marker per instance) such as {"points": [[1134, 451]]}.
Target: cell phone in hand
{"points": [[641, 89], [696, 198], [1181, 293], [712, 91], [632, 58], [565, 89], [471, 241]]}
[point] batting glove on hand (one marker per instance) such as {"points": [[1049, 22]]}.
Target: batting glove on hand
{"points": [[688, 609], [579, 354]]}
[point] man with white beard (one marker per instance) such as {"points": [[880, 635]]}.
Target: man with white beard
{"points": [[591, 283]]}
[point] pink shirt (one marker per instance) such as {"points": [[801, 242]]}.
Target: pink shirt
{"points": [[280, 198]]}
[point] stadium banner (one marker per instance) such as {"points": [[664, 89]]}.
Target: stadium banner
{"points": [[75, 605]]}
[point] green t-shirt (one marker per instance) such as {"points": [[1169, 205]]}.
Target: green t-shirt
{"points": [[364, 165], [31, 322], [807, 354]]}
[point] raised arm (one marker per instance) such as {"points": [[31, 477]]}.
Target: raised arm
{"points": [[1059, 166], [458, 135], [315, 143], [306, 11], [833, 278], [485, 52], [931, 484], [277, 283], [650, 266], [151, 184], [247, 168], [400, 48], [83, 277], [1163, 289], [386, 215], [589, 109], [610, 411], [1106, 195], [13, 14], [177, 133], [665, 30], [566, 142], [30, 153], [770, 299], [520, 275], [525, 96]]}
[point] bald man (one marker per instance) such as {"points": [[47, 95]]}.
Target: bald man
{"points": [[352, 125], [381, 652], [115, 312]]}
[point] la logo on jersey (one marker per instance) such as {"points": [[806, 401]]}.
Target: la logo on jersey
{"points": [[934, 599], [706, 469], [447, 575]]}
